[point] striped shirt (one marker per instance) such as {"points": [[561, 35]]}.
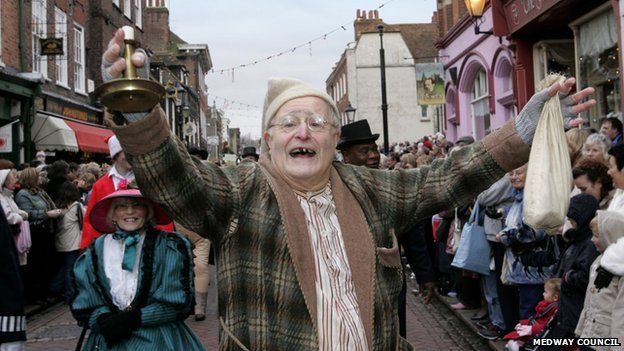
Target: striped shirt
{"points": [[339, 321]]}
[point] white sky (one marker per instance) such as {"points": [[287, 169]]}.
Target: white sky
{"points": [[239, 32]]}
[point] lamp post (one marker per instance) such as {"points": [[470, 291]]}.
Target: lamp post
{"points": [[350, 112], [384, 102], [475, 10]]}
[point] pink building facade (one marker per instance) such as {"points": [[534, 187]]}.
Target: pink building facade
{"points": [[478, 79]]}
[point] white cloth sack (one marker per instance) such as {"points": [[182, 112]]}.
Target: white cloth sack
{"points": [[549, 176]]}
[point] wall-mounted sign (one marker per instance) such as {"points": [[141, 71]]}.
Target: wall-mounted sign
{"points": [[51, 46], [520, 12]]}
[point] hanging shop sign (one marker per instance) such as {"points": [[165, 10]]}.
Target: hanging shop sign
{"points": [[51, 46], [430, 83]]}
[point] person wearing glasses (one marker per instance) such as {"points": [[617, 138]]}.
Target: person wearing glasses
{"points": [[305, 258]]}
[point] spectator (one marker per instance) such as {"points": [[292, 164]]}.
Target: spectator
{"points": [[544, 313], [597, 147], [408, 161], [519, 239], [616, 171], [67, 241], [603, 309], [611, 127], [42, 214], [573, 268], [11, 291], [591, 177], [58, 173], [73, 171], [85, 184], [576, 138], [502, 300]]}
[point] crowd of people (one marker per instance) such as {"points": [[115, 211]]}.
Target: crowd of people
{"points": [[297, 211], [539, 284]]}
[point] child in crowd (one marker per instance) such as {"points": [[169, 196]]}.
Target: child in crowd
{"points": [[603, 310], [544, 312]]}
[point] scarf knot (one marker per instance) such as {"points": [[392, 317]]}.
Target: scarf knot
{"points": [[130, 240]]}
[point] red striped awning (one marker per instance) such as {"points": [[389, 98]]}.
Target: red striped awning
{"points": [[90, 138]]}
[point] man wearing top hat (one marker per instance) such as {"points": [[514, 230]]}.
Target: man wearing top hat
{"points": [[297, 236], [249, 153], [358, 147]]}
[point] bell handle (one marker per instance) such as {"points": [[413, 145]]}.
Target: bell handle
{"points": [[129, 49]]}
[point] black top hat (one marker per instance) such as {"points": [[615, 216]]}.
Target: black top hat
{"points": [[358, 132], [250, 151]]}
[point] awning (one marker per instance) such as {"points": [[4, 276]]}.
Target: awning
{"points": [[52, 133], [90, 138]]}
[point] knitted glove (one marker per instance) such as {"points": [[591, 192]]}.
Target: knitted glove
{"points": [[526, 121], [524, 330], [117, 327]]}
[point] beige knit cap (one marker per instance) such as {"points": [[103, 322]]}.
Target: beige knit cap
{"points": [[281, 90]]}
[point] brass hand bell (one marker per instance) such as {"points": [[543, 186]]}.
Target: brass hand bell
{"points": [[130, 93]]}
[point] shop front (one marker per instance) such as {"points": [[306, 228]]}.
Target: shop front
{"points": [[17, 93], [579, 38]]}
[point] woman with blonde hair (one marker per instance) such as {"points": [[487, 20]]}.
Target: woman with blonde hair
{"points": [[576, 138]]}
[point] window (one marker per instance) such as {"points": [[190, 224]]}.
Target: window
{"points": [[480, 105], [40, 63], [116, 3], [60, 24], [79, 59], [138, 14], [127, 8]]}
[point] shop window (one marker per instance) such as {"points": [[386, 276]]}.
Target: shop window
{"points": [[39, 31], [480, 105], [599, 64], [553, 56], [79, 59], [60, 24]]}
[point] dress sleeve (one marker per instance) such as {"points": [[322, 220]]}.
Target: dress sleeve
{"points": [[87, 304], [172, 293]]}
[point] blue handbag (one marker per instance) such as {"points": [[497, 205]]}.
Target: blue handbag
{"points": [[473, 253]]}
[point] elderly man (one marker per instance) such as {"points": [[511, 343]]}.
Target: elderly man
{"points": [[358, 147], [305, 259]]}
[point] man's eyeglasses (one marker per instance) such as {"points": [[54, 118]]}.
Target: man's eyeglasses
{"points": [[292, 121]]}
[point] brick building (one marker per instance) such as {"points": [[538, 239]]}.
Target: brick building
{"points": [[356, 77], [181, 67]]}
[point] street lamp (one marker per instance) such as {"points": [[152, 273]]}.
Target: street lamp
{"points": [[475, 10], [384, 102], [350, 112]]}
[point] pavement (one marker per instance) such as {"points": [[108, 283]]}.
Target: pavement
{"points": [[433, 326]]}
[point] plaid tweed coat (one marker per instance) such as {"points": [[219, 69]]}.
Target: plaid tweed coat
{"points": [[267, 299]]}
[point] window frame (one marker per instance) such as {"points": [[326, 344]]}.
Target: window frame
{"points": [[39, 30], [127, 9], [79, 53], [138, 14], [483, 94], [61, 61]]}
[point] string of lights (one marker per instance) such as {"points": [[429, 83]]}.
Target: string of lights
{"points": [[308, 43]]}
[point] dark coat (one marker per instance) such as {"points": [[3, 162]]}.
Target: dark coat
{"points": [[11, 285], [574, 269]]}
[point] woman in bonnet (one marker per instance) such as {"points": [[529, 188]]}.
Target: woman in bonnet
{"points": [[134, 286]]}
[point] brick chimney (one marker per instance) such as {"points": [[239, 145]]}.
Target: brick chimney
{"points": [[156, 25], [364, 23]]}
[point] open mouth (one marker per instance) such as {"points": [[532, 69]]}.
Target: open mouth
{"points": [[302, 152], [130, 220]]}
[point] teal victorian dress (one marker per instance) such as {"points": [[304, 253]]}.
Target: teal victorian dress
{"points": [[164, 295]]}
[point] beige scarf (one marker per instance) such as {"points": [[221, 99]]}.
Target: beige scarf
{"points": [[356, 236]]}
